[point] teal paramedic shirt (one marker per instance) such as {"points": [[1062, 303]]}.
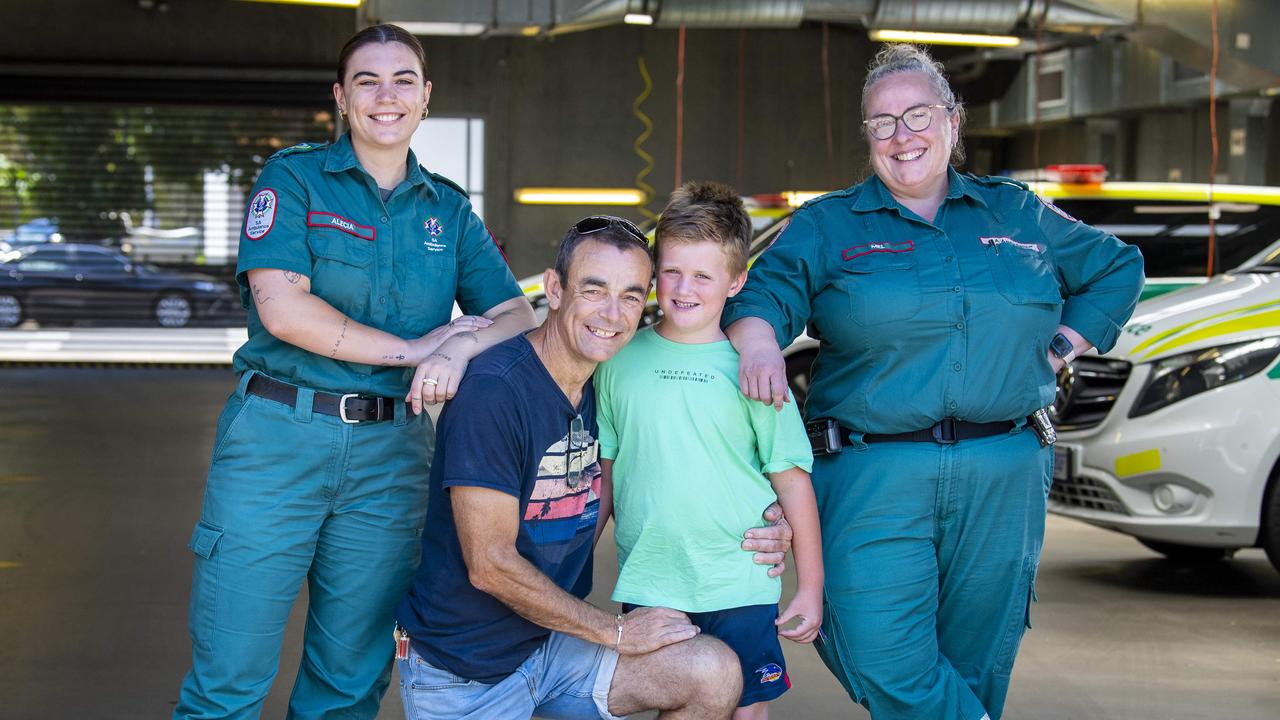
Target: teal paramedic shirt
{"points": [[397, 265], [918, 321]]}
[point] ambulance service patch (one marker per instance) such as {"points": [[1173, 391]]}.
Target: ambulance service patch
{"points": [[433, 226], [262, 214]]}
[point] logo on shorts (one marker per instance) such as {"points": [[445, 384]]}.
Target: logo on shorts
{"points": [[769, 673], [262, 214]]}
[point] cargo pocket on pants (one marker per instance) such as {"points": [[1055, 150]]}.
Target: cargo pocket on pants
{"points": [[204, 582], [828, 644], [1019, 620]]}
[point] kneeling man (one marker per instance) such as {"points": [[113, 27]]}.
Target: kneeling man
{"points": [[495, 625]]}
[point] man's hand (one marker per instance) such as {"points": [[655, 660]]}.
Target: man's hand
{"points": [[771, 542], [649, 628]]}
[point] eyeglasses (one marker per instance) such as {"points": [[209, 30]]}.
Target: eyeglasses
{"points": [[574, 453], [917, 119], [596, 223]]}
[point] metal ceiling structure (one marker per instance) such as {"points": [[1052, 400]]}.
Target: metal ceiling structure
{"points": [[1107, 56]]}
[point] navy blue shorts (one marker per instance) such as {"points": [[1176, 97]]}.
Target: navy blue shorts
{"points": [[753, 636]]}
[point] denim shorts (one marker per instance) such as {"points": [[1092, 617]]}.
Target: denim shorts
{"points": [[564, 679]]}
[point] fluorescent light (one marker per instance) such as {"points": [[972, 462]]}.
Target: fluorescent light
{"points": [[330, 3], [936, 38], [530, 30], [442, 28], [637, 19], [578, 196]]}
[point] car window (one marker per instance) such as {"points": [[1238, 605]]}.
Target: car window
{"points": [[1174, 236], [100, 260], [35, 264], [1269, 257]]}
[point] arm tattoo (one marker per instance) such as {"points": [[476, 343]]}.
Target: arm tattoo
{"points": [[257, 295], [292, 277], [442, 355], [392, 359], [336, 343]]}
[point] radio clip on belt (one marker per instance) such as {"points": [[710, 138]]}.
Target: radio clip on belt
{"points": [[825, 435]]}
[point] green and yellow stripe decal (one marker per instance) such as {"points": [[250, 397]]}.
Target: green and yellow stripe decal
{"points": [[1250, 317]]}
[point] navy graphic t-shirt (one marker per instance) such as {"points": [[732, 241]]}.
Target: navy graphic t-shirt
{"points": [[509, 429]]}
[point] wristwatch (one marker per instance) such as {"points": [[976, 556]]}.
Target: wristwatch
{"points": [[1062, 348]]}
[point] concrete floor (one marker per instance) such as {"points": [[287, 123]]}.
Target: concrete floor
{"points": [[101, 473]]}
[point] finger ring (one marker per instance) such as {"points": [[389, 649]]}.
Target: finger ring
{"points": [[430, 381]]}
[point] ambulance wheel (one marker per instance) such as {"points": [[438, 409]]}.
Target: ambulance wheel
{"points": [[172, 310], [1188, 554], [1270, 539]]}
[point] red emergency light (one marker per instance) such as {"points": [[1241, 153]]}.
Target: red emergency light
{"points": [[1078, 173]]}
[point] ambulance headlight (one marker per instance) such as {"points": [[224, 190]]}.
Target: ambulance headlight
{"points": [[1181, 376]]}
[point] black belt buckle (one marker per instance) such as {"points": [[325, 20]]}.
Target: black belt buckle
{"points": [[825, 435], [944, 431]]}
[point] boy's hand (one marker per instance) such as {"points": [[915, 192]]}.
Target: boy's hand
{"points": [[806, 608], [647, 629], [770, 542]]}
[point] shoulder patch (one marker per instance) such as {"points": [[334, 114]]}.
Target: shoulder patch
{"points": [[446, 181], [262, 214], [293, 150], [1057, 210]]}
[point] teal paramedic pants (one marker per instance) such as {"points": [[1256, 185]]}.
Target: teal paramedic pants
{"points": [[297, 496], [931, 554]]}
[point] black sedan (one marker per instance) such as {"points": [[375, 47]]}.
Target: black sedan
{"points": [[70, 282]]}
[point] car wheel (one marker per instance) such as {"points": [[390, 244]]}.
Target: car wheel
{"points": [[798, 367], [1271, 520], [1188, 554], [10, 311], [173, 310]]}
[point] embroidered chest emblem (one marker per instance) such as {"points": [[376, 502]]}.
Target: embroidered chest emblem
{"points": [[434, 230]]}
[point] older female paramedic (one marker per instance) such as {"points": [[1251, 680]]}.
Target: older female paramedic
{"points": [[351, 258], [943, 304]]}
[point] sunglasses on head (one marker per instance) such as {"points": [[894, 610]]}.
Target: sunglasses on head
{"points": [[596, 223]]}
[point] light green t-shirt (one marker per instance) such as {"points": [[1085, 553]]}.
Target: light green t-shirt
{"points": [[690, 453]]}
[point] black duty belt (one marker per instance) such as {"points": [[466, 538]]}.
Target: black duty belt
{"points": [[351, 408], [828, 437], [945, 432]]}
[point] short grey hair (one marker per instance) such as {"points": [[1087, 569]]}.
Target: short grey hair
{"points": [[895, 58]]}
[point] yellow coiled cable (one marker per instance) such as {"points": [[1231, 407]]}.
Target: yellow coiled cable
{"points": [[641, 185]]}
